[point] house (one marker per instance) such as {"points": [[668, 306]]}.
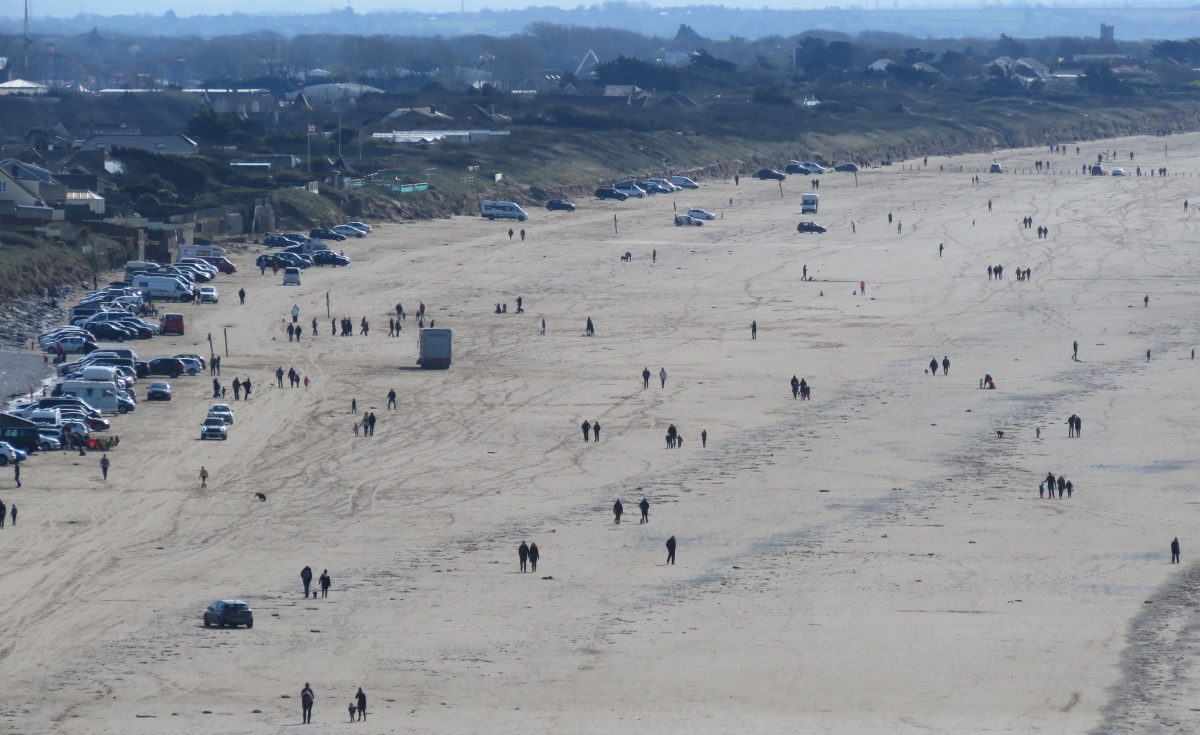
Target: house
{"points": [[479, 114], [921, 66], [4, 68], [1038, 69], [326, 93], [428, 113], [22, 87], [277, 160], [1005, 64], [881, 65], [1131, 70], [171, 145], [16, 193], [673, 58], [35, 180], [620, 90]]}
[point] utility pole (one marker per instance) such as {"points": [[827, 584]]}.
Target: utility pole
{"points": [[226, 330], [326, 304], [310, 132]]}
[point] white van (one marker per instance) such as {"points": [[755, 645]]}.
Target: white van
{"points": [[135, 266], [99, 395], [201, 251], [502, 210], [291, 276], [808, 203], [164, 287], [684, 182], [630, 189], [46, 417]]}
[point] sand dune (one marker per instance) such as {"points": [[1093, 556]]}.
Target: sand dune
{"points": [[875, 559]]}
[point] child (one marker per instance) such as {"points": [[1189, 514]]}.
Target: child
{"points": [[203, 476], [356, 428], [353, 709]]}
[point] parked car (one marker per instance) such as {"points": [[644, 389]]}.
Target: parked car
{"points": [[770, 174], [295, 237], [111, 332], [848, 168], [630, 189], [653, 187], [291, 276], [610, 193], [291, 260], [168, 366], [560, 205], [229, 612], [159, 391], [665, 183], [362, 226], [213, 428], [71, 344], [196, 358], [9, 453], [49, 440], [809, 226], [277, 241], [171, 324], [348, 231], [1118, 171], [320, 233], [701, 214], [684, 219], [190, 366], [684, 182], [328, 257], [221, 411], [224, 265], [208, 295], [795, 167]]}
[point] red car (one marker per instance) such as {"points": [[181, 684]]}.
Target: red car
{"points": [[222, 264], [171, 324], [97, 424]]}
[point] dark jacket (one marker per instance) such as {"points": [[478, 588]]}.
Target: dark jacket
{"points": [[533, 553]]}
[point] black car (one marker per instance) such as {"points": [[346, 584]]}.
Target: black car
{"points": [[608, 192], [809, 226], [320, 233], [846, 168], [159, 391], [111, 332], [229, 612], [291, 260], [770, 173], [168, 366], [796, 168], [328, 257], [560, 205], [277, 241], [140, 328]]}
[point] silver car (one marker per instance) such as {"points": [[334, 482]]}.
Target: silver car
{"points": [[213, 428], [221, 411]]}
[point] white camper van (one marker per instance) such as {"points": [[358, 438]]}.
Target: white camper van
{"points": [[808, 203], [502, 210], [97, 394], [164, 287], [435, 349], [201, 251]]}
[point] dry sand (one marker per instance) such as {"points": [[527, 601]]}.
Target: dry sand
{"points": [[928, 590]]}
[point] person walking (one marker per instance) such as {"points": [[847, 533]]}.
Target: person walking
{"points": [[941, 247], [392, 398], [754, 330], [325, 583], [306, 703], [3, 513], [534, 554], [671, 550], [246, 388], [1075, 351], [645, 508], [618, 509], [522, 235], [523, 554], [510, 233], [362, 704], [795, 387], [662, 375], [1175, 551], [314, 326], [587, 429], [645, 377], [596, 431], [372, 423], [306, 578], [295, 313], [704, 438], [945, 365], [104, 465], [13, 515], [933, 365], [279, 375], [203, 476], [1146, 301], [242, 295], [17, 473], [543, 327], [591, 328]]}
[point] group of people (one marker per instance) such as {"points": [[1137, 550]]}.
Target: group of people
{"points": [[589, 428], [618, 511], [347, 326], [294, 330], [503, 308], [239, 387], [801, 389], [1074, 425], [292, 376], [394, 327], [358, 705], [1062, 484], [324, 581], [214, 365], [662, 373], [368, 424], [528, 554], [1023, 274], [674, 439], [933, 366], [4, 511], [995, 271]]}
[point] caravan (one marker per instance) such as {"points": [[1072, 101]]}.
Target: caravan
{"points": [[808, 203], [100, 395]]}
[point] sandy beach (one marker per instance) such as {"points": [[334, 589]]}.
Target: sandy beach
{"points": [[874, 560]]}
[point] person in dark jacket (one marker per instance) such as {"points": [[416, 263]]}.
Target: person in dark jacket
{"points": [[306, 578], [596, 431], [587, 430], [671, 550], [795, 386], [533, 556], [945, 365], [362, 704], [618, 509], [325, 583], [523, 553], [645, 507], [1175, 551], [645, 377], [933, 366]]}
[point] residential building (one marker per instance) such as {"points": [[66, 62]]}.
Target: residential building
{"points": [[881, 65], [172, 145], [1028, 65], [426, 113]]}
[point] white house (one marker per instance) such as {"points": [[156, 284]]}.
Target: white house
{"points": [[881, 65], [1039, 69]]}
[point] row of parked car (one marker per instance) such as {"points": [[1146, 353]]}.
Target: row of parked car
{"points": [[622, 190], [337, 234]]}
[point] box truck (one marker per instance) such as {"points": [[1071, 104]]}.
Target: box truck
{"points": [[808, 203], [434, 349]]}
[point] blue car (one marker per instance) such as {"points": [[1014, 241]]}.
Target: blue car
{"points": [[9, 453], [229, 612]]}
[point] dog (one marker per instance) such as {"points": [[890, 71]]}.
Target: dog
{"points": [[999, 434], [627, 257], [260, 497]]}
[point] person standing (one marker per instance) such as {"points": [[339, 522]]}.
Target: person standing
{"points": [[295, 313], [306, 578], [104, 465], [754, 330], [314, 326], [671, 550], [203, 476], [17, 473], [591, 328], [704, 438], [372, 423], [3, 513], [645, 377], [662, 375], [618, 509], [242, 295], [795, 387], [306, 703], [587, 429], [1175, 551], [941, 247], [862, 288], [325, 583], [1146, 301], [246, 387], [237, 389], [279, 375], [523, 554], [392, 398], [645, 508], [14, 514], [543, 327], [362, 704], [534, 554]]}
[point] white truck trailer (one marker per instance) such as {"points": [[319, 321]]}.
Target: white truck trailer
{"points": [[435, 349]]}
